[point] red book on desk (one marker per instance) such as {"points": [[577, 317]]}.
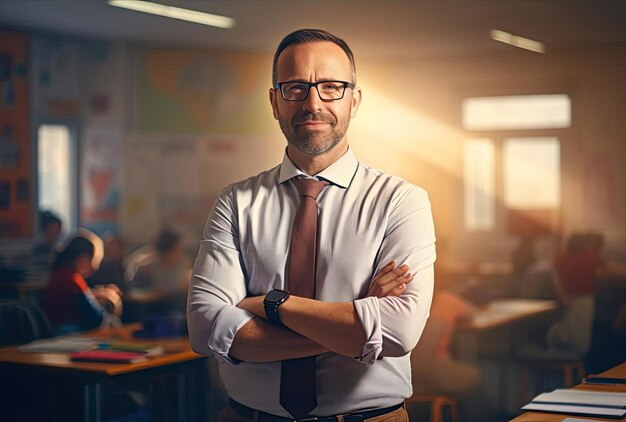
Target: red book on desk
{"points": [[108, 356]]}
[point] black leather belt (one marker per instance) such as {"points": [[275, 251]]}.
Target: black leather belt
{"points": [[267, 417]]}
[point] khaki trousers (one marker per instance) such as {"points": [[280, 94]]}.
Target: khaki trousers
{"points": [[399, 415]]}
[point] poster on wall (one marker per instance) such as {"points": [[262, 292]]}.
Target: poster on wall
{"points": [[57, 71], [16, 208], [101, 177], [190, 92], [172, 180]]}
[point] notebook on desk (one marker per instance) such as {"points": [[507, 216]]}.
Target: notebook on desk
{"points": [[578, 402], [107, 356]]}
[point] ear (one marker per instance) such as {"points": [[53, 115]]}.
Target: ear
{"points": [[356, 101], [273, 103]]}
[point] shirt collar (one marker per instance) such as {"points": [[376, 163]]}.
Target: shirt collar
{"points": [[339, 173]]}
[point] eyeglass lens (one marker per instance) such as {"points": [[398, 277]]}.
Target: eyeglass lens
{"points": [[298, 91]]}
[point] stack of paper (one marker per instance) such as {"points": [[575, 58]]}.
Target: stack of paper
{"points": [[581, 402], [65, 344]]}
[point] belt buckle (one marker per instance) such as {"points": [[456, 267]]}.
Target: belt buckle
{"points": [[311, 419]]}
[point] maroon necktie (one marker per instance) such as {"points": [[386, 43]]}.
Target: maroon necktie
{"points": [[297, 379]]}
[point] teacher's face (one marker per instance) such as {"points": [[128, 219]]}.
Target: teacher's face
{"points": [[314, 126]]}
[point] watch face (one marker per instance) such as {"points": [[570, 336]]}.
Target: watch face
{"points": [[274, 296]]}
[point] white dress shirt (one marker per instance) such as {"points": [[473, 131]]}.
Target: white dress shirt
{"points": [[366, 219]]}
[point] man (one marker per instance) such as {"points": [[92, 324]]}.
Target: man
{"points": [[337, 346]]}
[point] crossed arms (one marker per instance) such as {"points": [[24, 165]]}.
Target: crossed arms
{"points": [[311, 327], [388, 322]]}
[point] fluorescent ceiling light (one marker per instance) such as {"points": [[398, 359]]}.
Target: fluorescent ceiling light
{"points": [[175, 13], [517, 41]]}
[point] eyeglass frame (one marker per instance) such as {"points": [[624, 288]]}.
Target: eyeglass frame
{"points": [[346, 85]]}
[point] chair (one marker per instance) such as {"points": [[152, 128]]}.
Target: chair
{"points": [[438, 404], [425, 351], [22, 322], [608, 341], [568, 341], [571, 371]]}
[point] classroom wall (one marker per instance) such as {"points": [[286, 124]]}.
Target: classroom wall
{"points": [[408, 125], [164, 130], [593, 149]]}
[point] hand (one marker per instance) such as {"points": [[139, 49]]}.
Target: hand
{"points": [[110, 297], [390, 281], [254, 305]]}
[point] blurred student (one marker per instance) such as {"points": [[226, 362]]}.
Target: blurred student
{"points": [[581, 265], [70, 304], [50, 227], [578, 270], [166, 269], [112, 267], [433, 369]]}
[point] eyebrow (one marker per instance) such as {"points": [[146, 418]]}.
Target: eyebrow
{"points": [[319, 80]]}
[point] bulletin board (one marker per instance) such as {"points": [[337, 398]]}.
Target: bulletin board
{"points": [[172, 180], [16, 187]]}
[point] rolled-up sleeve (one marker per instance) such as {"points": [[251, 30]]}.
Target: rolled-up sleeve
{"points": [[394, 324], [217, 284]]}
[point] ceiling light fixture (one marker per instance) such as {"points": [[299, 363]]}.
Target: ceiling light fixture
{"points": [[517, 41], [175, 13]]}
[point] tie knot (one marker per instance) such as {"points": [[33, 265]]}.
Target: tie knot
{"points": [[310, 187]]}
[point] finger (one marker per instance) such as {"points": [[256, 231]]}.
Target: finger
{"points": [[400, 288], [384, 270], [392, 275], [389, 287], [383, 290], [385, 279]]}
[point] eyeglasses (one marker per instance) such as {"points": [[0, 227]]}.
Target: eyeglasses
{"points": [[299, 91]]}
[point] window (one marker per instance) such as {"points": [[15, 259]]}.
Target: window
{"points": [[517, 112], [57, 172], [531, 168], [479, 182], [513, 180]]}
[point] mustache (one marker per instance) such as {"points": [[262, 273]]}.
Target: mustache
{"points": [[313, 117]]}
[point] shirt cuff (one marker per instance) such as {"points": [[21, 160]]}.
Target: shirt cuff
{"points": [[225, 327], [369, 313]]}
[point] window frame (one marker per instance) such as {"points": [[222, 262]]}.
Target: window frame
{"points": [[73, 128]]}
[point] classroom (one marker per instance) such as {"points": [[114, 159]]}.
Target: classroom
{"points": [[436, 232]]}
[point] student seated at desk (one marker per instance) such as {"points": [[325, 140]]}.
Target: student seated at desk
{"points": [[578, 269], [71, 305], [112, 267], [580, 266], [50, 227], [433, 369], [164, 269]]}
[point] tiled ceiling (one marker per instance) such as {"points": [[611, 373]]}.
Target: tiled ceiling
{"points": [[426, 28]]}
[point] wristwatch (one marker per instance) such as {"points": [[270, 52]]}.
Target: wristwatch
{"points": [[273, 299]]}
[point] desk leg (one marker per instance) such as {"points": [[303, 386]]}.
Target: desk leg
{"points": [[181, 405], [92, 398]]}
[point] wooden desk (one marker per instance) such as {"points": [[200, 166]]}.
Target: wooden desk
{"points": [[617, 372], [179, 368], [493, 334], [501, 313]]}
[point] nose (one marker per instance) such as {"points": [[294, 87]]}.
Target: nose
{"points": [[312, 103]]}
